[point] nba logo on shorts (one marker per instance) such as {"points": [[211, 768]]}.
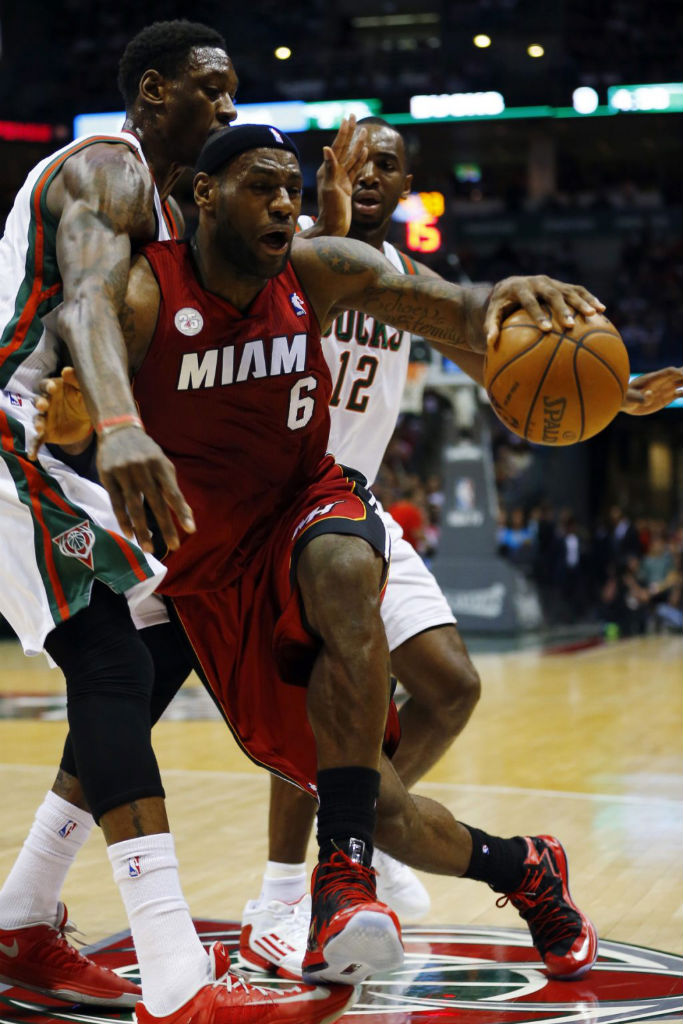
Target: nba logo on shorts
{"points": [[67, 828], [134, 869]]}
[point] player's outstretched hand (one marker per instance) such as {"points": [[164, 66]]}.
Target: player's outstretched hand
{"points": [[61, 416], [653, 391], [342, 162], [134, 469], [532, 294]]}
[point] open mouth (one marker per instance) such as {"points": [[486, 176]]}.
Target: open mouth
{"points": [[275, 241], [366, 202]]}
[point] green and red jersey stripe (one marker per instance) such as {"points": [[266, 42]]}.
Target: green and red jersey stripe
{"points": [[42, 495], [408, 266]]}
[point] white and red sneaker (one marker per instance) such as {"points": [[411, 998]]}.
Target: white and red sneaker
{"points": [[38, 957], [273, 937], [352, 934], [230, 1000], [565, 938]]}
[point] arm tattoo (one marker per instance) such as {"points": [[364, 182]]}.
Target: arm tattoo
{"points": [[342, 256], [424, 305]]}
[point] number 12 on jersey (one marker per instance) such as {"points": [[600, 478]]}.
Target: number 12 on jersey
{"points": [[357, 402]]}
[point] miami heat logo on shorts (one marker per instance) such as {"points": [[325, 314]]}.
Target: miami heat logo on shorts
{"points": [[77, 542]]}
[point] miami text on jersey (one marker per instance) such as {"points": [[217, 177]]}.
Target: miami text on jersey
{"points": [[218, 367]]}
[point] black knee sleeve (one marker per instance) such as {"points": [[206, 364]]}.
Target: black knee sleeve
{"points": [[109, 679], [172, 665]]}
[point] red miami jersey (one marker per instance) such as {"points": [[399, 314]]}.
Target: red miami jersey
{"points": [[239, 403]]}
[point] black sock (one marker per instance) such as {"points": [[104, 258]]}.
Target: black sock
{"points": [[499, 862], [347, 812]]}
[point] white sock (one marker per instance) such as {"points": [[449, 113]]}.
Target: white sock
{"points": [[31, 892], [173, 962], [284, 882]]}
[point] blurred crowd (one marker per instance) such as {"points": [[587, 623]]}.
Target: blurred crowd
{"points": [[624, 574]]}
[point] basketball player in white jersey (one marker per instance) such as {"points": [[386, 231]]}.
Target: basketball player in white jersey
{"points": [[369, 364], [69, 572]]}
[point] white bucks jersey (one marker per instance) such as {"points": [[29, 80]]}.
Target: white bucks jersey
{"points": [[30, 283], [368, 361]]}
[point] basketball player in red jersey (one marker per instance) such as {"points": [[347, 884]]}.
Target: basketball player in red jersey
{"points": [[281, 582]]}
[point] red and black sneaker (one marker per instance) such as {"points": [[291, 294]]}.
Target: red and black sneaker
{"points": [[38, 957], [565, 938], [352, 934]]}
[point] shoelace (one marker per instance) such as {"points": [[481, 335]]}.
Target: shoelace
{"points": [[541, 910], [345, 880], [59, 950], [69, 928], [233, 983]]}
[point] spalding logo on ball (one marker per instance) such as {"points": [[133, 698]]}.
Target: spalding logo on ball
{"points": [[560, 386]]}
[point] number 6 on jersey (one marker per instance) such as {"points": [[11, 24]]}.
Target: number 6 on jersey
{"points": [[301, 404]]}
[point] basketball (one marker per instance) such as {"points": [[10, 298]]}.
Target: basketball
{"points": [[557, 387]]}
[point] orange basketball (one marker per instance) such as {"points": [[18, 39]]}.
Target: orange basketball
{"points": [[557, 387]]}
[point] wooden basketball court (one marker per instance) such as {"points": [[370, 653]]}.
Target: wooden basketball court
{"points": [[584, 745]]}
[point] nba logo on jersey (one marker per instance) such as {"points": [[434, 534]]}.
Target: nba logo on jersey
{"points": [[67, 828], [297, 304], [276, 135], [134, 869]]}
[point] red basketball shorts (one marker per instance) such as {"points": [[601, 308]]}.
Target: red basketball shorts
{"points": [[251, 640]]}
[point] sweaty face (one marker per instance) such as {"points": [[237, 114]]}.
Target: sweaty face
{"points": [[382, 181], [258, 203], [199, 101]]}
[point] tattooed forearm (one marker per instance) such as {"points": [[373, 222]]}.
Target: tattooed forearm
{"points": [[429, 307], [359, 277]]}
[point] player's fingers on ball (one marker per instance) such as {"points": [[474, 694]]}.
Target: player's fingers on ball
{"points": [[492, 322], [589, 303], [532, 306], [560, 306]]}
